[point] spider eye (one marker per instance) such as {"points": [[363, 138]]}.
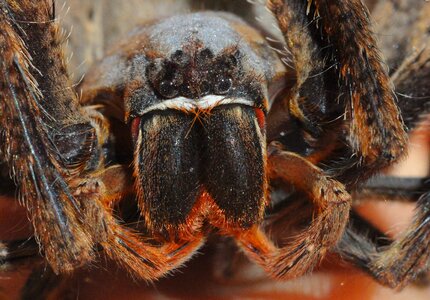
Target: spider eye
{"points": [[223, 85], [231, 62], [167, 89], [180, 58], [205, 55], [204, 88]]}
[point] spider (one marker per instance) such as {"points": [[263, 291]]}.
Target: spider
{"points": [[199, 123]]}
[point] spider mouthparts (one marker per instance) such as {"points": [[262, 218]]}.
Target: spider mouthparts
{"points": [[177, 158]]}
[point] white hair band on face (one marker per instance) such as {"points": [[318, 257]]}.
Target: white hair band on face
{"points": [[190, 105]]}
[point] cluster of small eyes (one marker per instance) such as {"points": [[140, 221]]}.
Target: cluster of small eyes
{"points": [[176, 76]]}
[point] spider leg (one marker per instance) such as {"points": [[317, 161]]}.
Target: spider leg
{"points": [[397, 263], [31, 77], [412, 88], [53, 147], [392, 188], [341, 84], [307, 248]]}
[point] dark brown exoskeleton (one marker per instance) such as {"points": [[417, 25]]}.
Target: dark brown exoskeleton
{"points": [[200, 106]]}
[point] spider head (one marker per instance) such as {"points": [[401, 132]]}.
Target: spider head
{"points": [[197, 117]]}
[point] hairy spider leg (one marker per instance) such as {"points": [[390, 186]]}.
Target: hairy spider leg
{"points": [[341, 85], [392, 263], [332, 204]]}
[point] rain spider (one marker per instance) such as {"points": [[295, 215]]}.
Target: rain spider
{"points": [[196, 117]]}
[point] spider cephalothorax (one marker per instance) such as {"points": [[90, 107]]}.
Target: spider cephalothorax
{"points": [[193, 111], [186, 102]]}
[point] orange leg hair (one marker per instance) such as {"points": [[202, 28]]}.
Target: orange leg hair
{"points": [[148, 258], [332, 205]]}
